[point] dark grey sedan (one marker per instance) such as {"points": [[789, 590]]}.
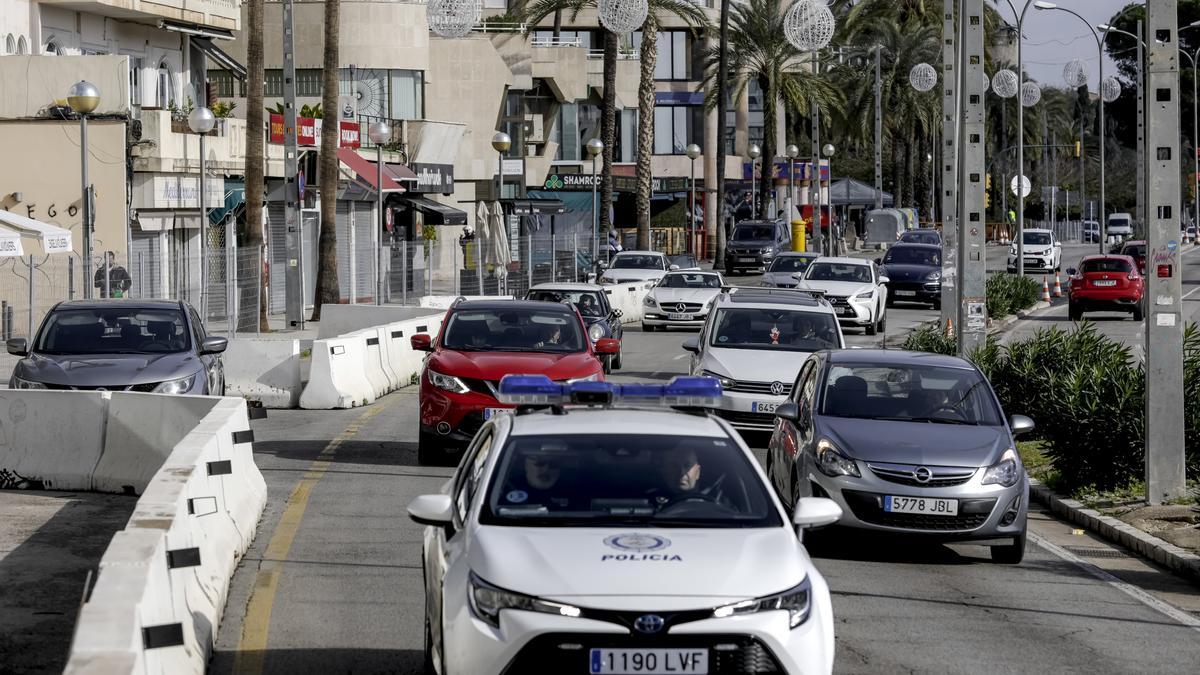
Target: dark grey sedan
{"points": [[155, 346], [905, 442]]}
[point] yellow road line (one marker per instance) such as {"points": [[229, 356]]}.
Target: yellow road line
{"points": [[252, 646]]}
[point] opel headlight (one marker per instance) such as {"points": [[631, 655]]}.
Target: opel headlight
{"points": [[725, 381], [447, 382], [27, 384], [797, 602], [596, 331], [833, 463], [486, 601], [181, 386], [1004, 473]]}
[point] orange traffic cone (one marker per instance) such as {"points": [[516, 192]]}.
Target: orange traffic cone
{"points": [[1057, 286], [1045, 290], [949, 328]]}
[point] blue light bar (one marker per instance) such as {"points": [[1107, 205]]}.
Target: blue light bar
{"points": [[685, 391]]}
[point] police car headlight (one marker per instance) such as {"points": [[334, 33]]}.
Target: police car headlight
{"points": [[449, 383], [797, 602], [486, 601], [596, 331], [833, 463]]}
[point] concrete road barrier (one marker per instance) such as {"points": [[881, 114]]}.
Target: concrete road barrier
{"points": [[51, 440], [344, 319], [628, 298], [337, 378], [373, 368], [444, 301], [264, 370]]}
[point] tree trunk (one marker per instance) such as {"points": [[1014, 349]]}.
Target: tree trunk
{"points": [[327, 263], [766, 184], [909, 187], [716, 247], [897, 173], [557, 23], [645, 139], [255, 180], [608, 133]]}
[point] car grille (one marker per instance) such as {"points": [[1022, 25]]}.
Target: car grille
{"points": [[747, 420], [906, 474], [868, 507], [838, 301], [681, 307], [570, 652], [487, 387], [146, 387], [759, 388]]}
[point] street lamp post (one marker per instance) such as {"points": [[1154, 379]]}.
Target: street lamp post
{"points": [[201, 121], [1195, 128], [594, 148], [501, 142], [693, 151], [792, 152], [1106, 29], [828, 150], [84, 98], [754, 152], [379, 133]]}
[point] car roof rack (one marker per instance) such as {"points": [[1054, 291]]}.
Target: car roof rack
{"points": [[815, 294]]}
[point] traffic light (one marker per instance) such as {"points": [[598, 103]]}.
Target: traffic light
{"points": [[988, 181], [987, 200], [1076, 148]]}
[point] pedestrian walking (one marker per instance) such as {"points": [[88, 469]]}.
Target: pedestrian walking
{"points": [[119, 280]]}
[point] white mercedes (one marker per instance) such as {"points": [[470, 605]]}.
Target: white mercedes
{"points": [[855, 288], [616, 539], [680, 300]]}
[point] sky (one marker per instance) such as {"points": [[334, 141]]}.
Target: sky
{"points": [[1053, 38]]}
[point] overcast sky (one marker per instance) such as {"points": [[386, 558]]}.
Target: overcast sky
{"points": [[1053, 38]]}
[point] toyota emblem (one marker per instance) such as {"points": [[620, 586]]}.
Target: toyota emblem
{"points": [[777, 388], [922, 474], [649, 624]]}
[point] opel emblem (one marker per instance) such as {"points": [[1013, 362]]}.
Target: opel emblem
{"points": [[922, 474], [777, 388], [648, 623]]}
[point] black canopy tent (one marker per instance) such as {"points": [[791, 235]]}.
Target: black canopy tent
{"points": [[851, 192]]}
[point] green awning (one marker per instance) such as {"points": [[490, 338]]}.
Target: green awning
{"points": [[235, 196], [572, 201]]}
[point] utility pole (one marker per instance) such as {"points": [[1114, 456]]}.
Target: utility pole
{"points": [[1142, 214], [1164, 264], [972, 238], [293, 281], [879, 134], [949, 160]]}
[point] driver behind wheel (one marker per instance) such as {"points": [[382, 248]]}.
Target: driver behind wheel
{"points": [[679, 474]]}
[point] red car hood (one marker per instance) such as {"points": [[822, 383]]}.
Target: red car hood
{"points": [[495, 365]]}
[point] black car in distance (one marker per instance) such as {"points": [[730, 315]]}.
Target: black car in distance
{"points": [[914, 273]]}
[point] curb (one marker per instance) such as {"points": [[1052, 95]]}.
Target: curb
{"points": [[1168, 555], [1001, 325]]}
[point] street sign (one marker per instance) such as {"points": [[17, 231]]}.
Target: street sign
{"points": [[1025, 186]]}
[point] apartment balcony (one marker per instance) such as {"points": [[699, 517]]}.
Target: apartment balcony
{"points": [[168, 146], [221, 14], [31, 86]]}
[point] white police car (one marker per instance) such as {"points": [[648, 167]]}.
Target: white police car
{"points": [[633, 539]]}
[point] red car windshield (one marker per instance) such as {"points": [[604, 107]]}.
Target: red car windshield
{"points": [[1106, 265], [514, 330]]}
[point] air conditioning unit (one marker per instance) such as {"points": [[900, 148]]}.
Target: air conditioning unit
{"points": [[534, 129]]}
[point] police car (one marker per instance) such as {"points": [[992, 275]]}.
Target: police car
{"points": [[640, 537]]}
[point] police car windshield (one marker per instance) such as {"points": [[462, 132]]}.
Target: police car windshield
{"points": [[637, 262], [603, 480], [774, 329], [514, 330], [588, 302]]}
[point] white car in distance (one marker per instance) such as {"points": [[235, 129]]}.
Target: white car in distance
{"points": [[855, 288], [636, 266], [754, 343], [621, 537], [680, 300]]}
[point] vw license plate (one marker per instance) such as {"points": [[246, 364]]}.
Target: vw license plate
{"points": [[630, 661], [679, 317], [933, 507], [1105, 282], [489, 413], [764, 407]]}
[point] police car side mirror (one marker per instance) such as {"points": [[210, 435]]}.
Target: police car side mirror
{"points": [[436, 510], [812, 512]]}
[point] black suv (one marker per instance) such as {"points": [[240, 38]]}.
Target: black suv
{"points": [[753, 244]]}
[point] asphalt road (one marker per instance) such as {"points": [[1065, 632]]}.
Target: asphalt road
{"points": [[333, 580]]}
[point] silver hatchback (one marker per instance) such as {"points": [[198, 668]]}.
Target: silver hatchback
{"points": [[904, 442]]}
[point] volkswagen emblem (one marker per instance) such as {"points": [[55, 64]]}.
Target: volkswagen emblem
{"points": [[681, 308], [922, 474], [648, 623], [778, 388]]}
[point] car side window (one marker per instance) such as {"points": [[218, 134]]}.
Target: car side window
{"points": [[197, 327], [801, 379], [471, 475]]}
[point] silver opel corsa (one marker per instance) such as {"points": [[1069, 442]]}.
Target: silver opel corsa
{"points": [[904, 442]]}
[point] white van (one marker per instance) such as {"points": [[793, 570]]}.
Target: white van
{"points": [[1120, 225]]}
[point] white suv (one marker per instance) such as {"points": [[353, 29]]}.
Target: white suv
{"points": [[855, 288], [754, 342]]}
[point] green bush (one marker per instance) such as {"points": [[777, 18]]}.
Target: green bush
{"points": [[1009, 293], [930, 339], [1191, 397]]}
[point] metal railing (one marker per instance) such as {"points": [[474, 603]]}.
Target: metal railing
{"points": [[556, 42], [622, 55]]}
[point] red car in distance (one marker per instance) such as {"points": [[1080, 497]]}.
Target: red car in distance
{"points": [[480, 342], [1137, 251], [1106, 283]]}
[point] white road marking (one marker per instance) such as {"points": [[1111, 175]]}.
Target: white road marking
{"points": [[680, 357], [1132, 591]]}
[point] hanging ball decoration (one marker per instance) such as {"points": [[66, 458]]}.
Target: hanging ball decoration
{"points": [[1075, 74], [922, 77], [623, 16], [1031, 93], [1110, 89], [808, 25], [1004, 83], [452, 18], [987, 83]]}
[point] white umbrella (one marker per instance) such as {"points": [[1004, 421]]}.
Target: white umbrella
{"points": [[499, 241], [481, 231]]}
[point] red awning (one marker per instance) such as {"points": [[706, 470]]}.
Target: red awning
{"points": [[366, 170]]}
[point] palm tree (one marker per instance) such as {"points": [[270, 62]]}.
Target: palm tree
{"points": [[716, 248], [255, 180], [694, 17], [759, 52], [327, 264]]}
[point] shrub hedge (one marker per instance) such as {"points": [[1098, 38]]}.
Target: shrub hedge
{"points": [[1008, 293]]}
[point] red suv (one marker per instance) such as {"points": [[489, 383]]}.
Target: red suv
{"points": [[481, 341], [1106, 283]]}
